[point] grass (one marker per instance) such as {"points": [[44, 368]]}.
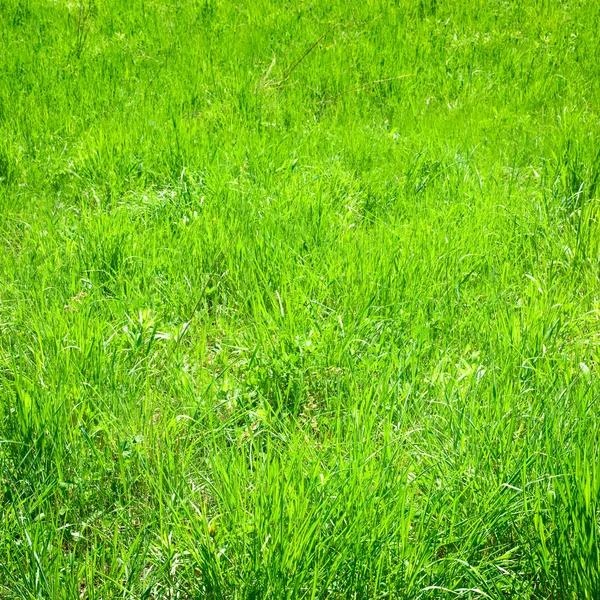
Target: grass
{"points": [[299, 299]]}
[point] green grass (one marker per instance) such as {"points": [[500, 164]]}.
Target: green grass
{"points": [[299, 299]]}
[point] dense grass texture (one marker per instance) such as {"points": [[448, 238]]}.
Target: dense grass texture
{"points": [[299, 299]]}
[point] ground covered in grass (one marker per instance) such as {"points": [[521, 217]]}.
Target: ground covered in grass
{"points": [[299, 299]]}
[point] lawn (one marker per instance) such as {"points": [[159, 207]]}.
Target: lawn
{"points": [[299, 299]]}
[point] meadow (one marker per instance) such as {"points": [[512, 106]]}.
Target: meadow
{"points": [[299, 299]]}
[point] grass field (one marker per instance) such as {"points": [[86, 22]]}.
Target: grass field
{"points": [[299, 299]]}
